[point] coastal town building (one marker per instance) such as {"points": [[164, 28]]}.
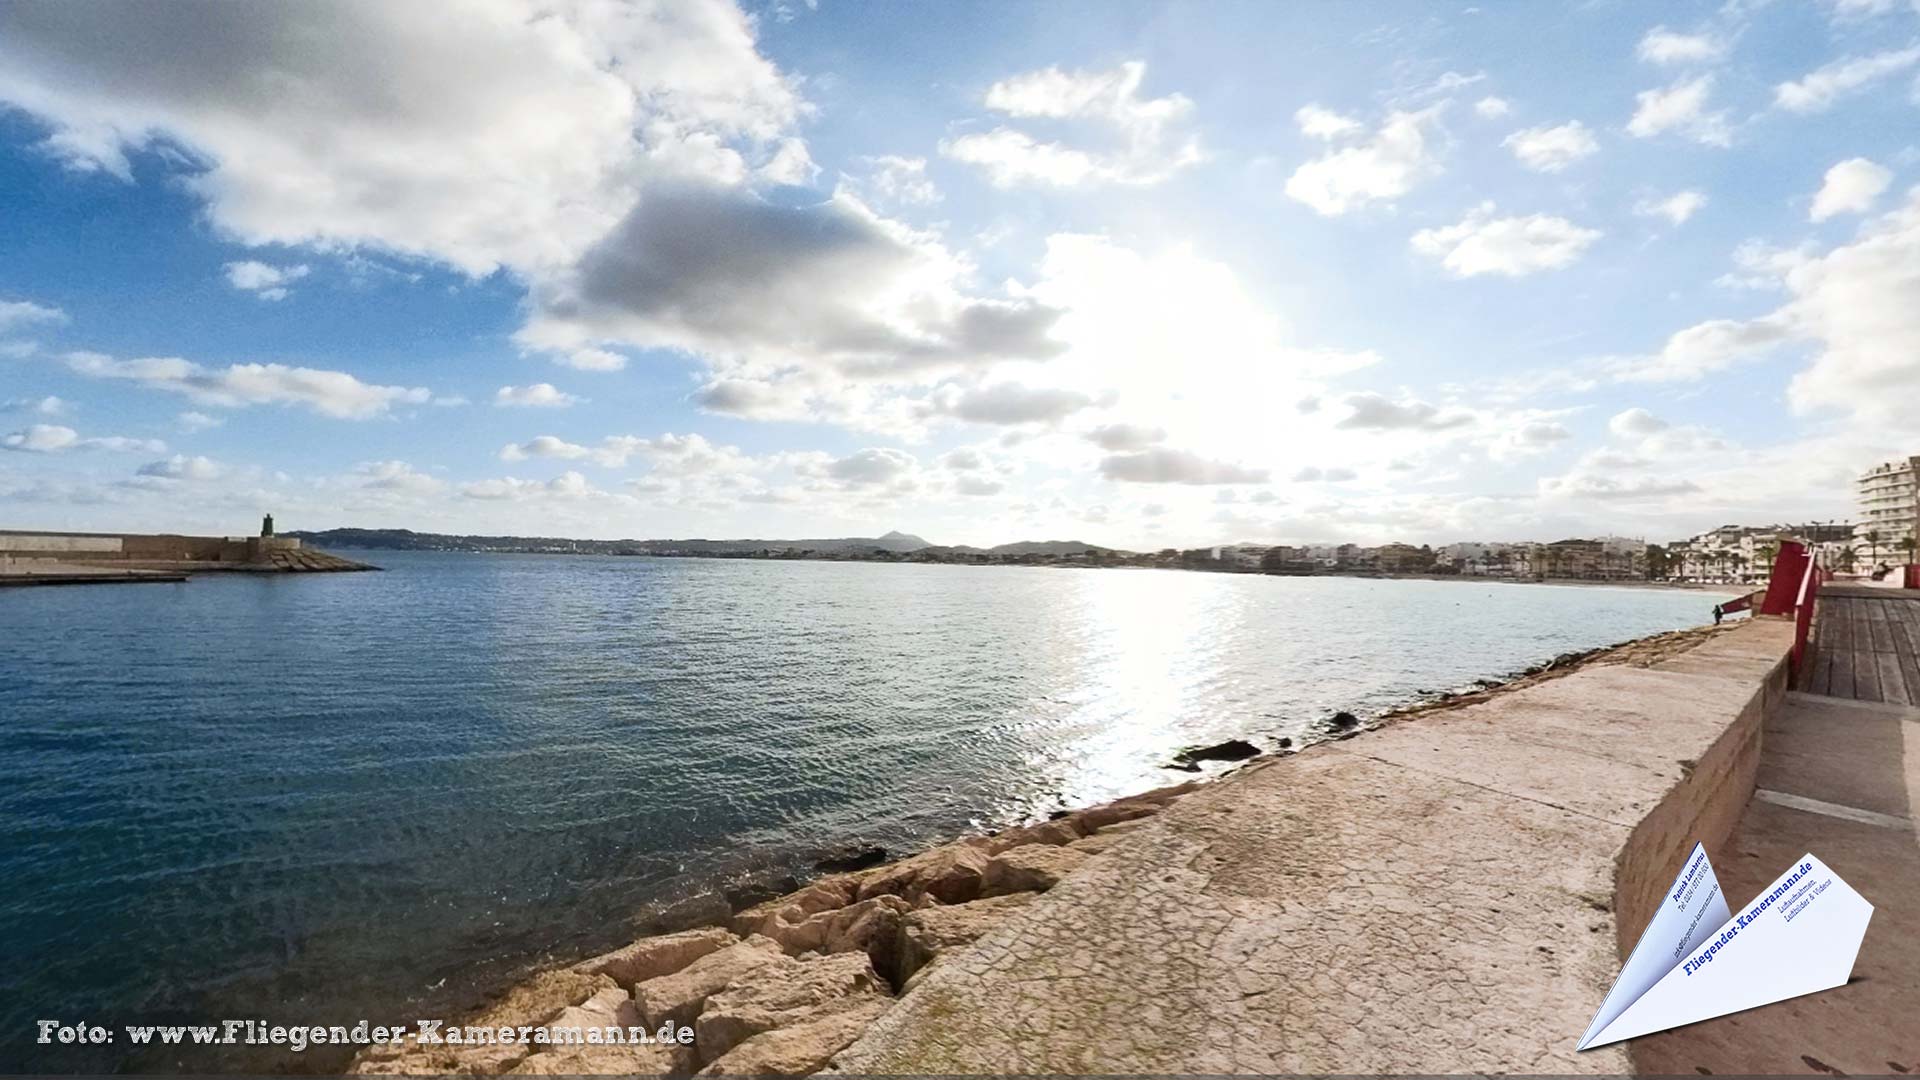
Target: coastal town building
{"points": [[1889, 524], [1402, 559]]}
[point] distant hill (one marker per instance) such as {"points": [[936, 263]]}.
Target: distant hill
{"points": [[1047, 547], [409, 540], [892, 543]]}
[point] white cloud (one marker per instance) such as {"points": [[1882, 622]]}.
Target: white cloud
{"points": [[1370, 411], [1854, 305], [872, 467], [591, 359], [1636, 422], [1164, 465], [53, 438], [568, 485], [396, 476], [790, 164], [1314, 474], [1681, 109], [1819, 89], [1611, 489], [543, 446], [182, 467], [900, 180], [978, 485], [1850, 188], [1551, 149], [15, 314], [1492, 108], [44, 406], [1009, 403], [330, 393], [1664, 46], [262, 280], [513, 132], [1535, 436], [1154, 142], [191, 421], [1122, 437], [1380, 169], [1707, 347], [1324, 123], [668, 453], [538, 396], [1676, 208], [1511, 246]]}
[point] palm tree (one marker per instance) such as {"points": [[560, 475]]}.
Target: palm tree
{"points": [[1907, 545], [1873, 546]]}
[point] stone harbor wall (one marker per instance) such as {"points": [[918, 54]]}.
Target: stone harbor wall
{"points": [[163, 551], [1452, 892]]}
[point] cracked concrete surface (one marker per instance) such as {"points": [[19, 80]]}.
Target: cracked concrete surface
{"points": [[1436, 896]]}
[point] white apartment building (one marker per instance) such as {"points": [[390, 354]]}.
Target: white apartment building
{"points": [[1889, 506]]}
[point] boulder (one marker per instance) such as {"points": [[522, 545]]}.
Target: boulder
{"points": [[1031, 868], [656, 1059], [953, 874], [539, 998], [411, 1059], [927, 934], [1109, 835], [854, 858], [650, 958], [871, 926], [1165, 795], [800, 1050], [1061, 831], [1231, 750], [1342, 721], [744, 892], [612, 1007], [823, 895], [678, 997], [785, 997], [1095, 818]]}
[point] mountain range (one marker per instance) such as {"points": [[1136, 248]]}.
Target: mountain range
{"points": [[894, 542]]}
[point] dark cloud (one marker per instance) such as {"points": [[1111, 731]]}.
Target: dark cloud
{"points": [[721, 270]]}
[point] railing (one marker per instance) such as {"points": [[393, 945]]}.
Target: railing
{"points": [[1809, 595]]}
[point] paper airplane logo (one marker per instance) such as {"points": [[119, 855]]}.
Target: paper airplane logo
{"points": [[1696, 960]]}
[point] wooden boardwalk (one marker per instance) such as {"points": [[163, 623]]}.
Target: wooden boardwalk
{"points": [[1866, 646]]}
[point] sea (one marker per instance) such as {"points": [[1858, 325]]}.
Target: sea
{"points": [[320, 798]]}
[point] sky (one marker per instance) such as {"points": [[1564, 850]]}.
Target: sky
{"points": [[1142, 275]]}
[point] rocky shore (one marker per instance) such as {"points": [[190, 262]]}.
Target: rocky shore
{"points": [[786, 984]]}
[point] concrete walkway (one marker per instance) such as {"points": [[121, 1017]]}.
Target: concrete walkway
{"points": [[1437, 896], [1840, 779]]}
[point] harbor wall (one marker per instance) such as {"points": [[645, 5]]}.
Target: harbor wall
{"points": [[149, 548]]}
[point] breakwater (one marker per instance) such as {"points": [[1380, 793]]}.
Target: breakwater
{"points": [[1099, 917], [60, 557]]}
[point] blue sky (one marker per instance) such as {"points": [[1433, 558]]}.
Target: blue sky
{"points": [[1144, 275]]}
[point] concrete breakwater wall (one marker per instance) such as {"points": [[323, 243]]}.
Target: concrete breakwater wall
{"points": [[24, 550], [1451, 893]]}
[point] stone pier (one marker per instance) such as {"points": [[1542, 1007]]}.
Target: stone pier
{"points": [[1453, 894]]}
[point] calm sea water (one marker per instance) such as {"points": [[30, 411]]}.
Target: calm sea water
{"points": [[319, 798]]}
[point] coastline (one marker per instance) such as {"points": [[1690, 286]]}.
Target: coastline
{"points": [[782, 984]]}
